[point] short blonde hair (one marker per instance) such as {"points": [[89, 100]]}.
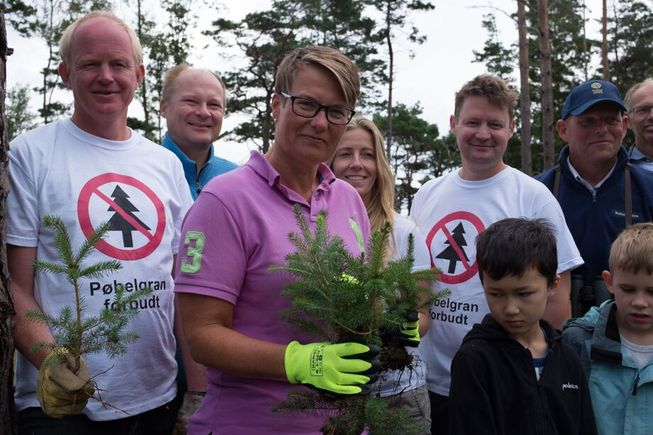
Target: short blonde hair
{"points": [[632, 251], [341, 68], [67, 38], [628, 98], [171, 75]]}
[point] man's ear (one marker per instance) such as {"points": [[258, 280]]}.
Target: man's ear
{"points": [[140, 74], [554, 286], [162, 108], [276, 106], [452, 123], [64, 74], [607, 278], [561, 128]]}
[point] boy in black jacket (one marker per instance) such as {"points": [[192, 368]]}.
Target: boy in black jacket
{"points": [[512, 375]]}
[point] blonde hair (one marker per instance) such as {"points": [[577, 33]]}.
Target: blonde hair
{"points": [[171, 75], [341, 68], [380, 208], [632, 251], [628, 98], [67, 38]]}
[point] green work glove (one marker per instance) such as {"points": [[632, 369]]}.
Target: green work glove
{"points": [[410, 329], [343, 368], [61, 391]]}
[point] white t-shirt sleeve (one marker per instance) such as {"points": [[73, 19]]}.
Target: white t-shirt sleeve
{"points": [[401, 230], [185, 201], [22, 203], [568, 255]]}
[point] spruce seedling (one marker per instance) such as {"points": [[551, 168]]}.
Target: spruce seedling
{"points": [[71, 330], [339, 297]]}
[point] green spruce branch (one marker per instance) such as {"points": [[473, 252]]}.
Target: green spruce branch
{"points": [[339, 297], [71, 330]]}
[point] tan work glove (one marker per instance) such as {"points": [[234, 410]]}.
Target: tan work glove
{"points": [[190, 405], [61, 391]]}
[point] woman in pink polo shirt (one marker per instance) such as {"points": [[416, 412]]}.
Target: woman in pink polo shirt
{"points": [[238, 228]]}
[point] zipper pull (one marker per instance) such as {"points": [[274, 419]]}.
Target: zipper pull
{"points": [[635, 384]]}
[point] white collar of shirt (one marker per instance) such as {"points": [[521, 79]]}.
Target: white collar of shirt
{"points": [[580, 179], [636, 154]]}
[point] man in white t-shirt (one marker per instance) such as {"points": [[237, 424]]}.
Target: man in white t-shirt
{"points": [[453, 209], [87, 170]]}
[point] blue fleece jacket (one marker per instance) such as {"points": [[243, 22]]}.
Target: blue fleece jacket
{"points": [[595, 219], [622, 393]]}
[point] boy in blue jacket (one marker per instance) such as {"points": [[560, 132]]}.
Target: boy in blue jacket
{"points": [[512, 375], [615, 340]]}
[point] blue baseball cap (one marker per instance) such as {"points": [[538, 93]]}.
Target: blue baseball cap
{"points": [[585, 95]]}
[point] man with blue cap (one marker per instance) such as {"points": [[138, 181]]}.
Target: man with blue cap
{"points": [[599, 191]]}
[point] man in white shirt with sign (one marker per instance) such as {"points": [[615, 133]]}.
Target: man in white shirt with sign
{"points": [[453, 209], [86, 170]]}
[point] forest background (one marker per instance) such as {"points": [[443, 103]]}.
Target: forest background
{"points": [[414, 55]]}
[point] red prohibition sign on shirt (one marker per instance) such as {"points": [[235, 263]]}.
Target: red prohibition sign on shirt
{"points": [[92, 187], [469, 270]]}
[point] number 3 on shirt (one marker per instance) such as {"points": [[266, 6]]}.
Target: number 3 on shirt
{"points": [[193, 252]]}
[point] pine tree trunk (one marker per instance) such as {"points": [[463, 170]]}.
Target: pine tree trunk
{"points": [[7, 410], [525, 98], [143, 88], [604, 42], [388, 37], [547, 85]]}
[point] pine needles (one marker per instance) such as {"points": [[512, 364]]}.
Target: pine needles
{"points": [[73, 331], [339, 297]]}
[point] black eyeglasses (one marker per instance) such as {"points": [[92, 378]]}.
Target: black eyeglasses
{"points": [[307, 108]]}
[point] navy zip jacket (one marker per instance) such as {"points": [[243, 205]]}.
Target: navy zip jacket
{"points": [[596, 219], [494, 390]]}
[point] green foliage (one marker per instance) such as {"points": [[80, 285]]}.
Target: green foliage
{"points": [[351, 415], [416, 151], [342, 298], [163, 48], [498, 59], [71, 330], [266, 36], [571, 52], [19, 116], [47, 19], [630, 32]]}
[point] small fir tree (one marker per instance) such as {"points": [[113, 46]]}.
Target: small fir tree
{"points": [[339, 297], [71, 330]]}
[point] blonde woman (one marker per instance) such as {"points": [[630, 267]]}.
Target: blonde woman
{"points": [[360, 160]]}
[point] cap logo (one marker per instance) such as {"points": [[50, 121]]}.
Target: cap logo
{"points": [[596, 88]]}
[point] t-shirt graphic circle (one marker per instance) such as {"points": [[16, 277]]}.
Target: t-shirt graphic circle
{"points": [[92, 187], [452, 251]]}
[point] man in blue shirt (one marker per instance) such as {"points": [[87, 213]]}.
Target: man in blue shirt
{"points": [[193, 102], [639, 102]]}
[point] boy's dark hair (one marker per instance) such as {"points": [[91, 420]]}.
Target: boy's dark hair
{"points": [[514, 245]]}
